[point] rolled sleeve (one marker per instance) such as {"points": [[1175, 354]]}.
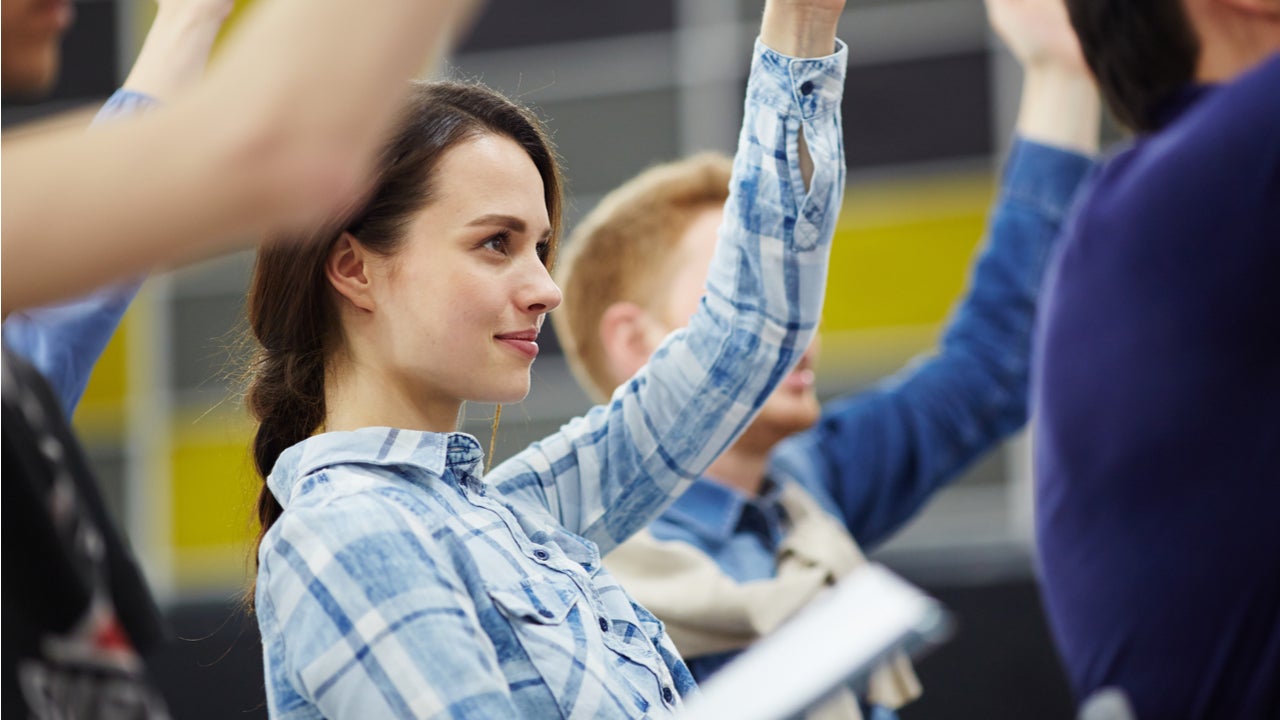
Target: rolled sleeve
{"points": [[1044, 177]]}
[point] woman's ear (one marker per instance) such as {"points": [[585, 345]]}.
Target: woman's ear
{"points": [[629, 334], [347, 273]]}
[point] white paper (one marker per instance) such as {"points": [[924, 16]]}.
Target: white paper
{"points": [[840, 635]]}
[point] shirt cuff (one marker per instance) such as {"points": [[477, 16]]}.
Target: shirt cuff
{"points": [[125, 102], [1044, 176], [814, 85]]}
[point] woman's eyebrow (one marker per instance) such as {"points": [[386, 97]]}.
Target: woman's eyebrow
{"points": [[509, 222]]}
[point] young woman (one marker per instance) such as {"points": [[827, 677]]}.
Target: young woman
{"points": [[392, 580]]}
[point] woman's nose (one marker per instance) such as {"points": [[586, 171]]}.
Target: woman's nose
{"points": [[542, 295]]}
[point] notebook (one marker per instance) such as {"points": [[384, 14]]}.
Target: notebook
{"points": [[838, 639]]}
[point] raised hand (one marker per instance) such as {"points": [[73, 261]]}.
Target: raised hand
{"points": [[1060, 104], [1038, 32]]}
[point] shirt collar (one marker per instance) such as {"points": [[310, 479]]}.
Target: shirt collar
{"points": [[713, 511], [379, 446]]}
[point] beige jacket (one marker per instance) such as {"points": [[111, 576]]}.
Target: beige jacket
{"points": [[707, 612]]}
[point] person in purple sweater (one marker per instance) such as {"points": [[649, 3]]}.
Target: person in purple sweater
{"points": [[1157, 371]]}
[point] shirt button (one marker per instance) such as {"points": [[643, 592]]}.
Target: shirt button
{"points": [[667, 696], [541, 554], [604, 625], [806, 87]]}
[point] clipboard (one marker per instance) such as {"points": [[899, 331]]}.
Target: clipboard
{"points": [[838, 639]]}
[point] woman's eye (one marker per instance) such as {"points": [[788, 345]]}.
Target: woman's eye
{"points": [[544, 250], [498, 243]]}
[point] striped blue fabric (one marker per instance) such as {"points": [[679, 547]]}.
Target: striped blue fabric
{"points": [[399, 583]]}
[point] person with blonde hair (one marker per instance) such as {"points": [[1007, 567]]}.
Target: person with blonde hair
{"points": [[785, 510]]}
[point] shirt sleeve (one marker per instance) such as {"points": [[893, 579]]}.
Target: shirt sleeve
{"points": [[607, 474], [363, 616], [65, 340], [880, 454]]}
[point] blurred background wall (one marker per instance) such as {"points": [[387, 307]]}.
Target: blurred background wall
{"points": [[928, 109]]}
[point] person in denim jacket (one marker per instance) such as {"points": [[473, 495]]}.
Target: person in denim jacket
{"points": [[782, 513]]}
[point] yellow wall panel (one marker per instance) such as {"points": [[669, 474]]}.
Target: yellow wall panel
{"points": [[902, 252], [214, 486], [101, 413]]}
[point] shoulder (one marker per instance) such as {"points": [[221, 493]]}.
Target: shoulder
{"points": [[1226, 143], [352, 547], [348, 505]]}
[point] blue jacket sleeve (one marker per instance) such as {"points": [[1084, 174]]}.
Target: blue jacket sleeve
{"points": [[875, 457], [64, 341]]}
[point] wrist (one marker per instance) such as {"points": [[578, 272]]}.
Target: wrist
{"points": [[799, 31], [193, 14], [1060, 106]]}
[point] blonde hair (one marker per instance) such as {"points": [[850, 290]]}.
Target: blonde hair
{"points": [[623, 250]]}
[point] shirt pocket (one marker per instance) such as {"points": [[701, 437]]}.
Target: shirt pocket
{"points": [[544, 603], [546, 623]]}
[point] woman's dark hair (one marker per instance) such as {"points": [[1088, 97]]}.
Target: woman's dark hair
{"points": [[1141, 52], [291, 309]]}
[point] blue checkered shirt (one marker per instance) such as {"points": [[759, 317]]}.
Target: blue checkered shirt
{"points": [[397, 583]]}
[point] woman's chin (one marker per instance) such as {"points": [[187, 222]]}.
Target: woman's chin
{"points": [[504, 396]]}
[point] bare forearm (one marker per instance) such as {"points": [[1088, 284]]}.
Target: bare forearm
{"points": [[1060, 107], [800, 29], [352, 63], [281, 134], [176, 49]]}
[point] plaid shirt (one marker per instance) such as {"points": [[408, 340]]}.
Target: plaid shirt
{"points": [[398, 584]]}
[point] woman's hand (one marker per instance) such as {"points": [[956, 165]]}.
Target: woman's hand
{"points": [[801, 28]]}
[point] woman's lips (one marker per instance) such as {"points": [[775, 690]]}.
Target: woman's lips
{"points": [[524, 343]]}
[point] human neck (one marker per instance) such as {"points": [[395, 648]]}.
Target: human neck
{"points": [[742, 467], [1231, 44], [358, 395]]}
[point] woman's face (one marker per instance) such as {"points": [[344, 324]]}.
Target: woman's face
{"points": [[461, 303]]}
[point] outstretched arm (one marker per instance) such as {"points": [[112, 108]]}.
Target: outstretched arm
{"points": [[1060, 104], [64, 341], [606, 475], [174, 54], [281, 134], [882, 453]]}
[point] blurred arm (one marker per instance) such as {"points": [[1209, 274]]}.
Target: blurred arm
{"points": [[64, 341], [280, 135], [1060, 104], [881, 454], [177, 47]]}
